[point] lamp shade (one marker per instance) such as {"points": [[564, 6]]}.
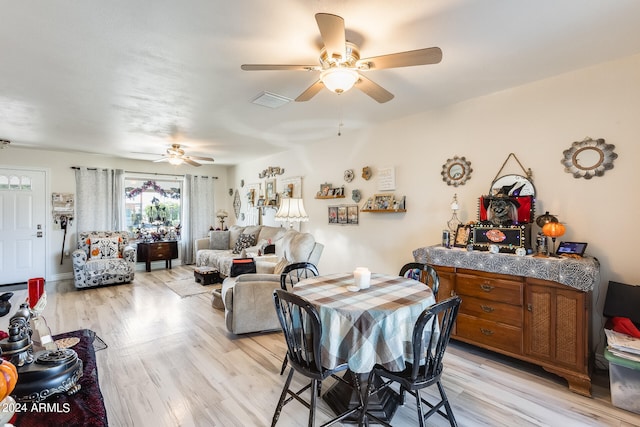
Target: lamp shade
{"points": [[291, 210], [339, 80], [553, 229], [543, 219]]}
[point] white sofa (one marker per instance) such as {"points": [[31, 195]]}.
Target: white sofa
{"points": [[217, 250]]}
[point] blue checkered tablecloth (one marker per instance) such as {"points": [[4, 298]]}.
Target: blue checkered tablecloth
{"points": [[369, 326]]}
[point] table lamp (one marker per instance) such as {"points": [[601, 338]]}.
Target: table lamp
{"points": [[553, 230], [292, 210], [454, 222], [222, 214]]}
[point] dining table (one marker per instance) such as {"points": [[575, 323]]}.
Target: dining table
{"points": [[365, 327]]}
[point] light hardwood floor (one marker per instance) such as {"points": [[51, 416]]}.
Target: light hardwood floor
{"points": [[171, 362]]}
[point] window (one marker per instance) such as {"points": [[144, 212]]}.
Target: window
{"points": [[152, 207]]}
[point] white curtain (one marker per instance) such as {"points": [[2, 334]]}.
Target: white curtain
{"points": [[99, 199], [198, 213]]}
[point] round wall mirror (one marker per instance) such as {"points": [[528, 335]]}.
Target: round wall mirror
{"points": [[456, 171], [589, 158], [512, 185]]}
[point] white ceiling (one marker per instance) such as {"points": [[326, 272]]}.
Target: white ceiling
{"points": [[119, 76]]}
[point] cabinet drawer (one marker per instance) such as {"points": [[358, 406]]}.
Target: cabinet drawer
{"points": [[160, 248], [491, 310], [499, 290], [490, 334]]}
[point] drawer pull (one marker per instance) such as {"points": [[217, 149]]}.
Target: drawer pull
{"points": [[487, 308], [487, 332], [486, 288]]}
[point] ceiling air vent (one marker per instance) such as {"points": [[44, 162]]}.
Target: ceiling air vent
{"points": [[271, 100]]}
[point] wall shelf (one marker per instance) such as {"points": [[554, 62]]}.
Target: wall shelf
{"points": [[383, 210], [329, 197]]}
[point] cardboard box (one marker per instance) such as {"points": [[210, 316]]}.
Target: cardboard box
{"points": [[624, 376]]}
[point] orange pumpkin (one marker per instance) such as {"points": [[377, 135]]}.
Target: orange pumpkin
{"points": [[553, 229], [10, 377]]}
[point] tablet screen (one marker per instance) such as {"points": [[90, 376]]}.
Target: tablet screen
{"points": [[576, 248]]}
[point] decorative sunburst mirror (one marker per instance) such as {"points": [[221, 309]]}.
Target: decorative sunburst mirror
{"points": [[456, 171], [589, 158]]}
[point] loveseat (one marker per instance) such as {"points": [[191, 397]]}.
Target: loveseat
{"points": [[103, 258], [248, 298]]}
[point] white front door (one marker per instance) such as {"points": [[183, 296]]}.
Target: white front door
{"points": [[22, 225]]}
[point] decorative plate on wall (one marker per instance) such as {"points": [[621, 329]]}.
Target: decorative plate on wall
{"points": [[348, 175], [589, 158], [366, 173]]}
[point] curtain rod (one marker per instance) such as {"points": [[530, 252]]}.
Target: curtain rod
{"points": [[148, 173]]}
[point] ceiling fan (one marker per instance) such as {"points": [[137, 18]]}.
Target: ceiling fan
{"points": [[175, 155], [341, 67]]}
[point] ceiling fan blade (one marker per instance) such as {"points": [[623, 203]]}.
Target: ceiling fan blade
{"points": [[374, 90], [191, 162], [274, 67], [164, 159], [204, 159], [430, 55], [310, 92], [333, 35]]}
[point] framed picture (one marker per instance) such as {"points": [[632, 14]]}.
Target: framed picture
{"points": [[352, 214], [325, 189], [338, 191], [342, 215], [270, 189], [506, 210], [462, 236], [383, 201], [333, 214]]}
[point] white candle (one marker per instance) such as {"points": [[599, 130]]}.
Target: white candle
{"points": [[362, 277]]}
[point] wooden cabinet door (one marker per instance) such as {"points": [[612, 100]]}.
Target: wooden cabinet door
{"points": [[555, 324], [447, 276]]}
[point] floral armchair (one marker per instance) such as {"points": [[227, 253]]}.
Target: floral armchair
{"points": [[103, 258]]}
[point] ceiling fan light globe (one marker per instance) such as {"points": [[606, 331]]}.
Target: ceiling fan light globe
{"points": [[175, 161], [339, 80]]}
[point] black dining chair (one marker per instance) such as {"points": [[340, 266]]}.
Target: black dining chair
{"points": [[428, 351], [295, 272], [291, 275], [423, 273], [302, 330]]}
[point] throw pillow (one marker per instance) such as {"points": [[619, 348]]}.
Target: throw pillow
{"points": [[244, 241], [105, 247], [279, 268]]}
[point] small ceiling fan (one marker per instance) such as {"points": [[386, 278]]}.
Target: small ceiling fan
{"points": [[341, 67], [175, 155]]}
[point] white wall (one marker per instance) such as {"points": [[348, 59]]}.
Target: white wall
{"points": [[537, 122], [62, 180]]}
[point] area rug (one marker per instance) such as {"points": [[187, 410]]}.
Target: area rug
{"points": [[188, 287]]}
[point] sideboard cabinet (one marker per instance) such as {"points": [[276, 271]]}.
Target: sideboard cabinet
{"points": [[534, 320], [157, 251]]}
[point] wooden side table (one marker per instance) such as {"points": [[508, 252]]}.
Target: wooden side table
{"points": [[157, 251]]}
